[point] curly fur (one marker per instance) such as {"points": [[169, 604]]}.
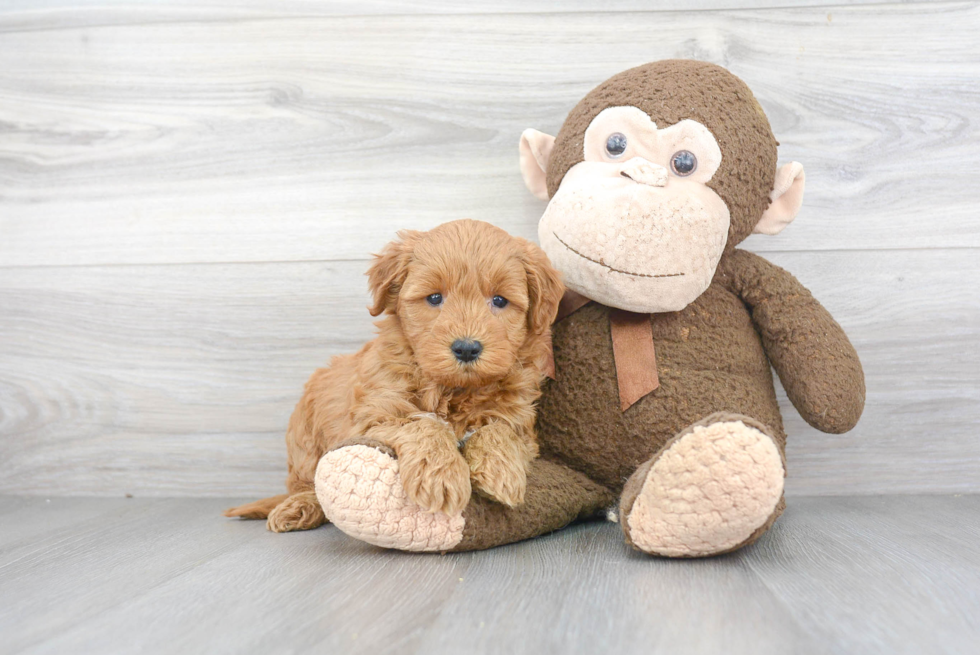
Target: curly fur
{"points": [[405, 389]]}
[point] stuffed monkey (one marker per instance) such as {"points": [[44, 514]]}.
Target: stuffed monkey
{"points": [[662, 409]]}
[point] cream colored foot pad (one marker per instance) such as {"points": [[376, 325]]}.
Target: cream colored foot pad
{"points": [[360, 492], [708, 492]]}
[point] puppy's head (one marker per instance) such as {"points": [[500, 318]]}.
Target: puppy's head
{"points": [[468, 297]]}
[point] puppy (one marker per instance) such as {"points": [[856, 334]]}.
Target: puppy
{"points": [[458, 359]]}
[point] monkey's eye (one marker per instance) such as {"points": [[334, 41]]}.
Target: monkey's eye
{"points": [[500, 302], [683, 163], [435, 299], [616, 144]]}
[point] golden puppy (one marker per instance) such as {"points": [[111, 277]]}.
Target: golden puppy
{"points": [[458, 360]]}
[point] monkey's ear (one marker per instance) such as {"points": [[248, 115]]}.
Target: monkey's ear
{"points": [[787, 198], [535, 152], [544, 289], [389, 270]]}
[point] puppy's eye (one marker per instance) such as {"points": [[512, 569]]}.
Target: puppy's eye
{"points": [[435, 299], [616, 144], [500, 302], [683, 163]]}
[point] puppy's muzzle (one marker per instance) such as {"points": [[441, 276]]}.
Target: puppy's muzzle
{"points": [[466, 350]]}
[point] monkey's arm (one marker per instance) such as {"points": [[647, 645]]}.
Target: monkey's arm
{"points": [[815, 361]]}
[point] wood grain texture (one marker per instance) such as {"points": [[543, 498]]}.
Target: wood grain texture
{"points": [[179, 380], [925, 558], [841, 575], [47, 14], [189, 192], [306, 138]]}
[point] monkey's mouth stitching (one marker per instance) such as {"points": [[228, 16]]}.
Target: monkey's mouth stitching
{"points": [[614, 270]]}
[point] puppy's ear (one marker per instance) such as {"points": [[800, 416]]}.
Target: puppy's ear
{"points": [[544, 289], [389, 270]]}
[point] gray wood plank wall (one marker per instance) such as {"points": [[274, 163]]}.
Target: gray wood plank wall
{"points": [[189, 192]]}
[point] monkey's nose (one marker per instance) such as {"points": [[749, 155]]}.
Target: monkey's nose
{"points": [[466, 350], [640, 170]]}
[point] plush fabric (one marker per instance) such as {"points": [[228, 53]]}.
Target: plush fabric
{"points": [[816, 363], [634, 354], [617, 240], [696, 454], [707, 491], [555, 497], [786, 200], [649, 142], [709, 359], [633, 350], [358, 485], [359, 488], [674, 90]]}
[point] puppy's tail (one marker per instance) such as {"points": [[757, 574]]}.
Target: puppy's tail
{"points": [[258, 510]]}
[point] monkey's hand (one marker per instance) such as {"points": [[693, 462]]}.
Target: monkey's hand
{"points": [[498, 459], [815, 361]]}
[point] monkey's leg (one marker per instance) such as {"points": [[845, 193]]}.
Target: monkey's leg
{"points": [[556, 496], [713, 488], [360, 491]]}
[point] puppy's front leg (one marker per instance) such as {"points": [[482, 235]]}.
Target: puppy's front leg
{"points": [[434, 474], [498, 458]]}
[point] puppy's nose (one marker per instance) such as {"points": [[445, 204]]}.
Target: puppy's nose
{"points": [[466, 350]]}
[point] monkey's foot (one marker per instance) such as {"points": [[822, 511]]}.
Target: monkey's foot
{"points": [[360, 492], [713, 488]]}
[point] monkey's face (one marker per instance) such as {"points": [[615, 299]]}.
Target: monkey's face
{"points": [[635, 223]]}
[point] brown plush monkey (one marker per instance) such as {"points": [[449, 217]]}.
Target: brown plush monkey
{"points": [[663, 398], [654, 179]]}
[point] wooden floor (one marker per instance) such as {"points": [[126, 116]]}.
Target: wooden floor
{"points": [[886, 574]]}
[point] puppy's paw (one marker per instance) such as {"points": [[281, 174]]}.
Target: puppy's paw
{"points": [[499, 478], [298, 512], [498, 461], [436, 479]]}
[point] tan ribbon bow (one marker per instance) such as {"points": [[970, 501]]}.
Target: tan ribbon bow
{"points": [[633, 351]]}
